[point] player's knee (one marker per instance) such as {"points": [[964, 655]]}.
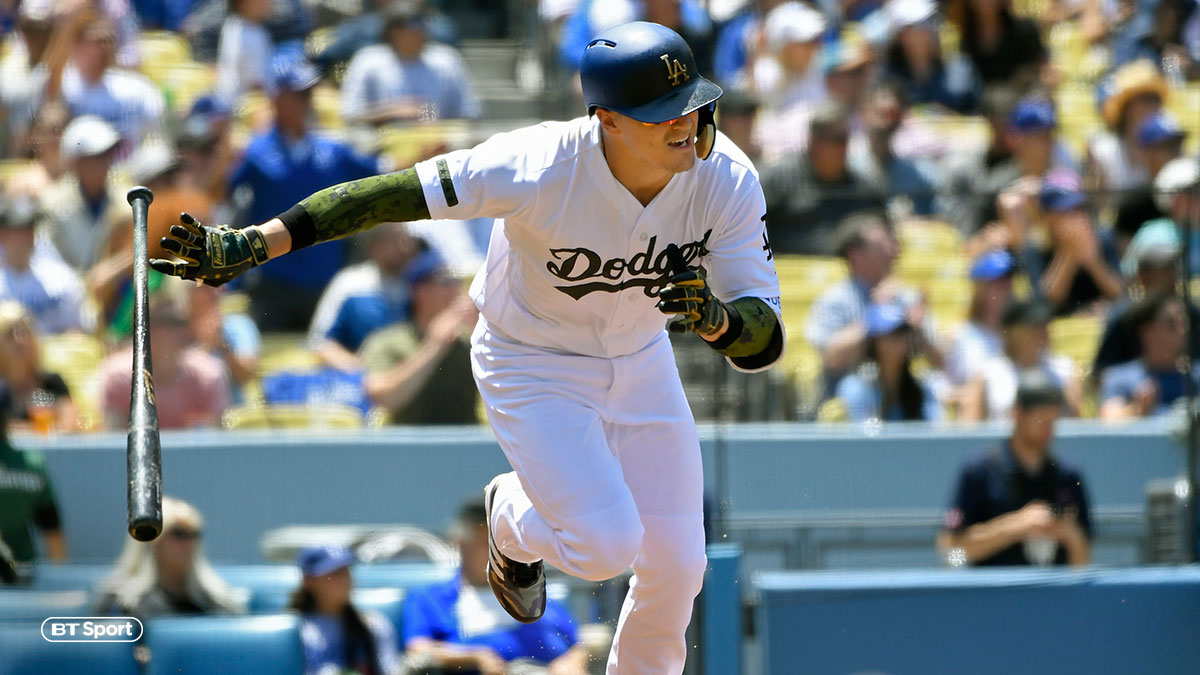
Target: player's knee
{"points": [[611, 544], [674, 559]]}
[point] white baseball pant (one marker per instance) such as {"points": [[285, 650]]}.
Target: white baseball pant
{"points": [[607, 476]]}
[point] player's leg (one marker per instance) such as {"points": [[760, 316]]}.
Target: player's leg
{"points": [[568, 503], [659, 451]]}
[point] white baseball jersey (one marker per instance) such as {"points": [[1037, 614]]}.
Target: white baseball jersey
{"points": [[575, 261]]}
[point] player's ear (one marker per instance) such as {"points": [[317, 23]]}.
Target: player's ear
{"points": [[608, 121]]}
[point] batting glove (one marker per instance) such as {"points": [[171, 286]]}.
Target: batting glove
{"points": [[688, 297], [213, 255]]}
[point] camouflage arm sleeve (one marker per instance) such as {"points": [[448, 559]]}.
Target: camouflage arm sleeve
{"points": [[358, 205], [754, 338]]}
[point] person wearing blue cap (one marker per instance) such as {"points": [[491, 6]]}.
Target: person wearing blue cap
{"points": [[337, 636], [457, 626], [418, 371], [365, 297], [407, 77], [979, 337], [884, 387], [279, 168], [1160, 139], [1077, 269]]}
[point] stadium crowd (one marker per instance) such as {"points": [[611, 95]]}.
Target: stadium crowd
{"points": [[956, 191]]}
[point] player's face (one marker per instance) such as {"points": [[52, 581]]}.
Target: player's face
{"points": [[669, 146]]}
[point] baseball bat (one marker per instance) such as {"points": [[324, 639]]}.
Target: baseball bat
{"points": [[143, 455]]}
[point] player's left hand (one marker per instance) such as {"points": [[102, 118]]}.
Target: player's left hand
{"points": [[688, 297]]}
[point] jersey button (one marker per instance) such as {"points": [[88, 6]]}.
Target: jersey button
{"points": [[644, 236]]}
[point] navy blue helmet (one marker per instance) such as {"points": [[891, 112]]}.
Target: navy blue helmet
{"points": [[647, 72]]}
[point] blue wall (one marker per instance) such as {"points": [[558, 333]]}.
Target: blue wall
{"points": [[983, 622], [247, 483]]}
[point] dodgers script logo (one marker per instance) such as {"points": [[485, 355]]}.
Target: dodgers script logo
{"points": [[649, 268]]}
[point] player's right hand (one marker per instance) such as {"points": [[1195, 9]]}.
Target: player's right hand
{"points": [[213, 255]]}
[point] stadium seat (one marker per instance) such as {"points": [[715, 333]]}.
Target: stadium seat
{"points": [[23, 651], [76, 358], [285, 351], [161, 52], [68, 577], [231, 645], [20, 604], [293, 416], [1077, 337], [185, 82], [929, 239]]}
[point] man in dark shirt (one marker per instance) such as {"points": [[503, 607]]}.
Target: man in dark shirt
{"points": [[1017, 504], [810, 193], [27, 500]]}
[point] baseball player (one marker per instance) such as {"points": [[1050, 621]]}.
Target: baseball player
{"points": [[604, 224]]}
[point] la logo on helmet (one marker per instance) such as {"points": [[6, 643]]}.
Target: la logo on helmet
{"points": [[675, 70]]}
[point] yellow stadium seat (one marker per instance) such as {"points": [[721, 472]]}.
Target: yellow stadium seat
{"points": [[76, 357], [160, 53], [833, 410], [286, 351], [12, 167], [185, 82], [1078, 338], [929, 238], [328, 106], [408, 143], [324, 416]]}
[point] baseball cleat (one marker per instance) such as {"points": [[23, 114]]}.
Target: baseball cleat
{"points": [[520, 587]]}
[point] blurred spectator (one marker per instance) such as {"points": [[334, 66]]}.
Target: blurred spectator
{"points": [[1077, 269], [737, 114], [884, 387], [1168, 36], [45, 148], [407, 77], [169, 575], [907, 183], [459, 626], [979, 338], [1030, 137], [364, 297], [280, 167], [27, 500], [1160, 139], [77, 208], [1026, 336], [244, 52], [163, 14], [418, 371], [914, 58], [338, 637], [1175, 195], [809, 193], [1018, 504], [366, 29], [788, 72], [1151, 263], [847, 65], [92, 85], [51, 291], [289, 24], [155, 165], [1149, 385], [686, 17], [205, 151], [1002, 46], [1135, 92], [835, 325], [228, 334], [37, 399], [190, 385], [9, 571], [965, 199], [26, 50], [738, 42]]}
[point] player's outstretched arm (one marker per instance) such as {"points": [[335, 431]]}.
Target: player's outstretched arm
{"points": [[215, 255]]}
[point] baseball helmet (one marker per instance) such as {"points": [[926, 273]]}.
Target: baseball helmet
{"points": [[647, 72]]}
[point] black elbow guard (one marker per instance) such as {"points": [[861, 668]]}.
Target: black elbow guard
{"points": [[754, 338]]}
